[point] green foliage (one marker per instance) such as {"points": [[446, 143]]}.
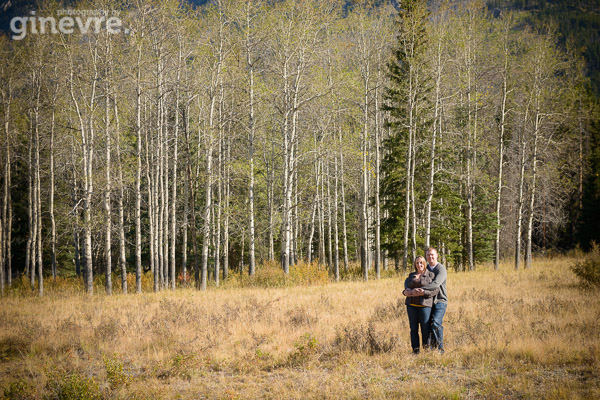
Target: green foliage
{"points": [[590, 215], [115, 374], [74, 387], [588, 270], [409, 121], [19, 390], [484, 224], [306, 347]]}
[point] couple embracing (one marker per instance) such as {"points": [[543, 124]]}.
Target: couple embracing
{"points": [[426, 301]]}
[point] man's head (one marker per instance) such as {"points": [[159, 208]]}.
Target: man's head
{"points": [[432, 256]]}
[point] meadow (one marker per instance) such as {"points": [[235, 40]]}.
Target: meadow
{"points": [[508, 334]]}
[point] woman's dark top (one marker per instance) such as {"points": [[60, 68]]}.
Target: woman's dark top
{"points": [[413, 282]]}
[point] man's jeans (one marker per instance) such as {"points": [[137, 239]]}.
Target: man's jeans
{"points": [[437, 330], [418, 316]]}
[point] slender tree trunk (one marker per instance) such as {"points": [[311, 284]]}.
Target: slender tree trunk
{"points": [[107, 207], [76, 215], [469, 155], [409, 153], [218, 207], [296, 218], [51, 205], [322, 258], [311, 235], [193, 218], [159, 186], [121, 199], [208, 200], [165, 196], [364, 197], [227, 212], [220, 181], [9, 222], [175, 167], [269, 166], [436, 127], [329, 227], [38, 199], [251, 133], [186, 197], [343, 192], [413, 205], [520, 200], [138, 176], [88, 163], [6, 228], [285, 239], [377, 180], [336, 260], [30, 255], [36, 242], [314, 204], [532, 189], [503, 113], [151, 206]]}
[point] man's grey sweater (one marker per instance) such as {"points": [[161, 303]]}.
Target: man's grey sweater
{"points": [[438, 282]]}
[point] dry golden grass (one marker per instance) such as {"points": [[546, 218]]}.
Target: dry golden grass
{"points": [[526, 334]]}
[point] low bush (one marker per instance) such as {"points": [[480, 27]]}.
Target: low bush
{"points": [[271, 275], [364, 339], [18, 390], [115, 374], [306, 348], [75, 387], [588, 270]]}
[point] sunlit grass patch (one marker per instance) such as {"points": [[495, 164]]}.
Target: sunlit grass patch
{"points": [[508, 334]]}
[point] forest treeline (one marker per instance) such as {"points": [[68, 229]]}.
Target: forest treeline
{"points": [[203, 140]]}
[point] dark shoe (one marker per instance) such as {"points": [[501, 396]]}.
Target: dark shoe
{"points": [[416, 351]]}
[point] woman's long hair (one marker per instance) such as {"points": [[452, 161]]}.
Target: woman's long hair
{"points": [[417, 259]]}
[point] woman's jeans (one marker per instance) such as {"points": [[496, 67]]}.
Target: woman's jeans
{"points": [[418, 316]]}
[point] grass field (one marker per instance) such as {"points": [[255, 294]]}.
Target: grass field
{"points": [[508, 334]]}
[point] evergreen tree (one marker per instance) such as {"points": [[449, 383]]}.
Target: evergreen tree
{"points": [[409, 113], [590, 213]]}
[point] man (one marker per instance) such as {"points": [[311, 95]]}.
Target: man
{"points": [[441, 299]]}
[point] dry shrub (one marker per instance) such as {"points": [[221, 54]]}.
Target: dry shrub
{"points": [[108, 329], [355, 272], [588, 270], [20, 287], [364, 339], [299, 316], [306, 349], [270, 275], [147, 282], [13, 346], [308, 274], [182, 366], [389, 311]]}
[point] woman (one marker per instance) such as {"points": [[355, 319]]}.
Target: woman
{"points": [[419, 302]]}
